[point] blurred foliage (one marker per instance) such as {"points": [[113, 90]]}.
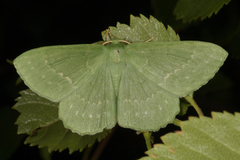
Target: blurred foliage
{"points": [[189, 10], [201, 138], [29, 24]]}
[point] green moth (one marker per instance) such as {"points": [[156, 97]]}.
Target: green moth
{"points": [[136, 85]]}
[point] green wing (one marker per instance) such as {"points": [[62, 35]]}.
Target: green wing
{"points": [[156, 74], [143, 105], [92, 107], [78, 77], [54, 72], [177, 67]]}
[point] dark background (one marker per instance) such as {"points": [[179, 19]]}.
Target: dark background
{"points": [[26, 24]]}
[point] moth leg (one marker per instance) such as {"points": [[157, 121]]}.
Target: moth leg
{"points": [[151, 38], [108, 33]]}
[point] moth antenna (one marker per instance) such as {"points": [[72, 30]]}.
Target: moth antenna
{"points": [[107, 42], [123, 41], [151, 39]]}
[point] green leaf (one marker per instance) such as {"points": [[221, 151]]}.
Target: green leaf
{"points": [[137, 85], [189, 10], [142, 29], [201, 138], [184, 105], [39, 118], [56, 137], [35, 112]]}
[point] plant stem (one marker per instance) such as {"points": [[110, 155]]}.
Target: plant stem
{"points": [[194, 104], [147, 137], [176, 122], [101, 146], [87, 152]]}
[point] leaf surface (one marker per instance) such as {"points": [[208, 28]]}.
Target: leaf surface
{"points": [[35, 112], [142, 29], [56, 137], [39, 119], [201, 138], [189, 10]]}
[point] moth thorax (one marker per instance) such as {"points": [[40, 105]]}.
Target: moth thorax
{"points": [[115, 56], [116, 66]]}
